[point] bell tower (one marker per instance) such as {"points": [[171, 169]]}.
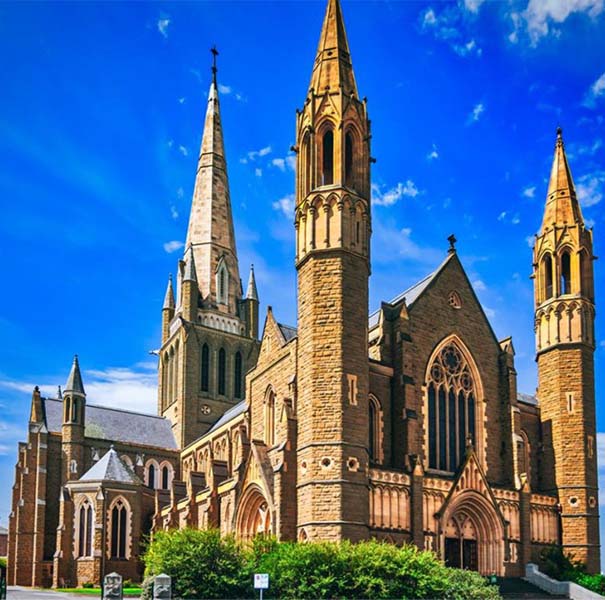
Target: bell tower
{"points": [[564, 322], [333, 230]]}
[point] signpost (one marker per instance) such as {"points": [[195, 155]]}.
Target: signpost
{"points": [[261, 582]]}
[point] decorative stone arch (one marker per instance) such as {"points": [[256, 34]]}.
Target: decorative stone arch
{"points": [[152, 474], [119, 534], [166, 475], [487, 525], [84, 527], [326, 146], [466, 387], [222, 281], [254, 515]]}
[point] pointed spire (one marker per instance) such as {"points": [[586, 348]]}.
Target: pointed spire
{"points": [[333, 66], [252, 292], [169, 297], [74, 381], [189, 273], [210, 232], [562, 205]]}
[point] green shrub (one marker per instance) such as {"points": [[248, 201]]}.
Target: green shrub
{"points": [[147, 589], [201, 563], [468, 585], [2, 561], [595, 583], [558, 565], [88, 585]]}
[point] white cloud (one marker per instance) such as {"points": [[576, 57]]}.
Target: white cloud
{"points": [[280, 163], [502, 216], [224, 89], [530, 240], [392, 244], [529, 192], [183, 150], [469, 48], [392, 195], [506, 217], [180, 192], [479, 286], [285, 205], [515, 220], [173, 246], [490, 313], [590, 188], [170, 143], [473, 5], [254, 154], [429, 19], [596, 91], [174, 213], [433, 154], [539, 18], [291, 161], [258, 172], [182, 100], [163, 24], [451, 25], [476, 113]]}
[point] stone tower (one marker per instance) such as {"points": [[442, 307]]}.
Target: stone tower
{"points": [[209, 333], [74, 407], [564, 321], [332, 259]]}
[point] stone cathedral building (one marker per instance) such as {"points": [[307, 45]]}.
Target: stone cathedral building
{"points": [[404, 425]]}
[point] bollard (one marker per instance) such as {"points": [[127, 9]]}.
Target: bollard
{"points": [[112, 587], [162, 587]]}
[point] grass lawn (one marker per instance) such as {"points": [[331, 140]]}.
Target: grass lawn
{"points": [[129, 592]]}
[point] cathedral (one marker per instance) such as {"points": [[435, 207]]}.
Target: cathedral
{"points": [[403, 425]]}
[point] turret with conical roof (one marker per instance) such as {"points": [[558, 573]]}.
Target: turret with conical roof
{"points": [[167, 310], [250, 306], [74, 419], [564, 325]]}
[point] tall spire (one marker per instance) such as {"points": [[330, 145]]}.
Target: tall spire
{"points": [[333, 66], [562, 204], [251, 292], [74, 381], [169, 297], [210, 233]]}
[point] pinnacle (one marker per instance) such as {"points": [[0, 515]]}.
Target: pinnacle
{"points": [[74, 381]]}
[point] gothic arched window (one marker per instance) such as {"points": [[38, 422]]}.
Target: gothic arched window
{"points": [[327, 158], [151, 474], [374, 418], [270, 417], [451, 408], [547, 276], [165, 477], [306, 154], [85, 527], [565, 273], [349, 175], [222, 283], [222, 359], [237, 375], [119, 533], [205, 368]]}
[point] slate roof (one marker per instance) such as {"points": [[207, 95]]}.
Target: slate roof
{"points": [[117, 425], [110, 468], [234, 411], [3, 530], [288, 332], [527, 398]]}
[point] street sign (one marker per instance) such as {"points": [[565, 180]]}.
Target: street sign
{"points": [[261, 581]]}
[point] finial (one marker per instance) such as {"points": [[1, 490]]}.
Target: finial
{"points": [[452, 240], [59, 393], [214, 69], [559, 136], [111, 447]]}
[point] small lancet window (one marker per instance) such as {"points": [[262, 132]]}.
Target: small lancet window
{"points": [[118, 530], [205, 385], [165, 477], [565, 273], [222, 359], [547, 274], [237, 375], [349, 178], [307, 166], [327, 170]]}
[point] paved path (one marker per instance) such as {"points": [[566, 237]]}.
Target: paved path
{"points": [[23, 593]]}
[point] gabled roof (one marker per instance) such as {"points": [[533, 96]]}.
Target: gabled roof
{"points": [[413, 292], [527, 399], [117, 425], [110, 468], [234, 411]]}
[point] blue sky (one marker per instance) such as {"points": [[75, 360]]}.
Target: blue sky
{"points": [[101, 112]]}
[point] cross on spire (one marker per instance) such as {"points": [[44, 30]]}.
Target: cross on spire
{"points": [[214, 69], [452, 240]]}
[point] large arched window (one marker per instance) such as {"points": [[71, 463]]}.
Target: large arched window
{"points": [[222, 360], [237, 375], [152, 475], [349, 174], [270, 417], [205, 385], [85, 529], [565, 273], [547, 276], [119, 529], [327, 158], [451, 408]]}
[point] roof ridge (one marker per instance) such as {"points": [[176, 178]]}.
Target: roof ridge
{"points": [[123, 410]]}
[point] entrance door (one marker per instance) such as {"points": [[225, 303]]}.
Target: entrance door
{"points": [[469, 555], [452, 552]]}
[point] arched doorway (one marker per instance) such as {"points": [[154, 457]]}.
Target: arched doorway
{"points": [[254, 515], [473, 535]]}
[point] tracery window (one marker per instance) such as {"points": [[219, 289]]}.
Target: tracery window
{"points": [[451, 408], [85, 523], [119, 533]]}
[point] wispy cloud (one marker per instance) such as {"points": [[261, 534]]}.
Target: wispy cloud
{"points": [[182, 100], [595, 92], [473, 5], [173, 246], [507, 217], [590, 188], [388, 197], [163, 24], [450, 26], [476, 113], [479, 285], [183, 150], [433, 154], [258, 172], [174, 213], [529, 192], [285, 205], [544, 18], [254, 154]]}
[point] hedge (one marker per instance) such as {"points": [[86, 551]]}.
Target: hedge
{"points": [[563, 567], [204, 565]]}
